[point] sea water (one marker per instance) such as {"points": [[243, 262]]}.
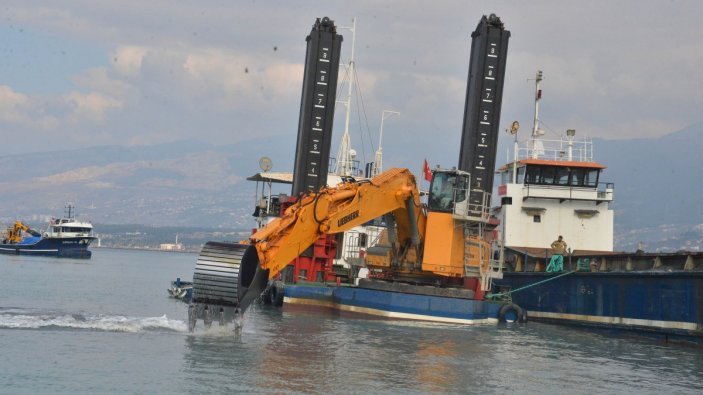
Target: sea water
{"points": [[107, 325]]}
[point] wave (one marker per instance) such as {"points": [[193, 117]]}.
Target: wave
{"points": [[18, 318]]}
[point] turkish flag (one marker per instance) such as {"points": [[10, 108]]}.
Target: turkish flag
{"points": [[426, 171]]}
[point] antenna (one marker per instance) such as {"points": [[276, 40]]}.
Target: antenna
{"points": [[69, 210], [538, 96]]}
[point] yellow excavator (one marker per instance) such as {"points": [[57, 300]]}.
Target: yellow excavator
{"points": [[435, 243], [13, 234]]}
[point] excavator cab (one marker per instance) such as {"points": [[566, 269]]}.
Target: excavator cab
{"points": [[448, 190], [454, 245]]}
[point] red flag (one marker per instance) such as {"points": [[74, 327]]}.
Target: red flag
{"points": [[426, 171]]}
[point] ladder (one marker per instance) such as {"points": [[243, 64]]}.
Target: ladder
{"points": [[478, 260]]}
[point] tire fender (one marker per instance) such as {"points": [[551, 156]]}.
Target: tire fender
{"points": [[276, 293], [520, 314]]}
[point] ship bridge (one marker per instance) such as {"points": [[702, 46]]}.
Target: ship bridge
{"points": [[552, 188]]}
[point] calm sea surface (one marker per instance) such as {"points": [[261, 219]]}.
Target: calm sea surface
{"points": [[106, 325]]}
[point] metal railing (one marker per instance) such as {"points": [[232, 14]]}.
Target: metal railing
{"points": [[581, 150]]}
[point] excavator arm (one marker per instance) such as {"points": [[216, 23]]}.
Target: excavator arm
{"points": [[335, 210], [233, 275], [14, 234]]}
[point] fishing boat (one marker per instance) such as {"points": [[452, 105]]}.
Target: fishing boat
{"points": [[554, 188], [64, 237], [182, 290]]}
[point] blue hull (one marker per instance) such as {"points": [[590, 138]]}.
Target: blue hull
{"points": [[390, 305], [67, 247], [668, 304]]}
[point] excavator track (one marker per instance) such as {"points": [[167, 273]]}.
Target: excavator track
{"points": [[226, 281]]}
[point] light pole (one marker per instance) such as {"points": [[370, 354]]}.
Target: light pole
{"points": [[378, 159]]}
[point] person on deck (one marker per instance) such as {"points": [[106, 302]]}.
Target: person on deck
{"points": [[556, 264]]}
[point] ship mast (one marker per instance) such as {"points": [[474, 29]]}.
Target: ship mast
{"points": [[535, 129], [344, 160]]}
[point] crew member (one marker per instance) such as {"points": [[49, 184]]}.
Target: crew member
{"points": [[558, 249]]}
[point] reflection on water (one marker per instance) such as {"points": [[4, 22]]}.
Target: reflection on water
{"points": [[437, 371], [310, 353]]}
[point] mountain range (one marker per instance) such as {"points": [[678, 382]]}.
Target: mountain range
{"points": [[658, 184]]}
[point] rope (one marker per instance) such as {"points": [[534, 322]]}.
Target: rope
{"points": [[501, 294]]}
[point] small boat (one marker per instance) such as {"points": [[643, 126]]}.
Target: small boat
{"points": [[63, 237], [181, 290]]}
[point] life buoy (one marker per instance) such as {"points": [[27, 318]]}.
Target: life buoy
{"points": [[512, 312]]}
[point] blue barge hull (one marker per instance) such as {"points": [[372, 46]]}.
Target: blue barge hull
{"points": [[655, 302], [349, 300], [65, 247]]}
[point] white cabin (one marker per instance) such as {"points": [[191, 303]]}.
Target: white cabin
{"points": [[554, 188], [68, 227]]}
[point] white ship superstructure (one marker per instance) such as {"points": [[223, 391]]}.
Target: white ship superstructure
{"points": [[552, 188]]}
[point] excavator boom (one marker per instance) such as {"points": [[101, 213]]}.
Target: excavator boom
{"points": [[334, 210], [234, 275]]}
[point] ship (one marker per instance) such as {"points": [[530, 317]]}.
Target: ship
{"points": [[555, 188], [432, 260], [63, 237], [182, 290]]}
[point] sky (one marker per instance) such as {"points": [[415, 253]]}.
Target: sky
{"points": [[82, 73]]}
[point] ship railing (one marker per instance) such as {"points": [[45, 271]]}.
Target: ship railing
{"points": [[557, 150], [471, 206], [605, 190]]}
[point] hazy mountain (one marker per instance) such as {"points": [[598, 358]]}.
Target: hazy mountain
{"points": [[186, 183], [190, 183], [658, 188]]}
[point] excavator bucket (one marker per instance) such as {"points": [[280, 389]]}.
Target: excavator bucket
{"points": [[226, 281]]}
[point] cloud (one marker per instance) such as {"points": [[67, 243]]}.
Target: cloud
{"points": [[241, 77], [90, 107], [128, 59], [209, 70], [23, 110]]}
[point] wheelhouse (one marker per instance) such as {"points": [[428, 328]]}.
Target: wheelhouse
{"points": [[554, 173]]}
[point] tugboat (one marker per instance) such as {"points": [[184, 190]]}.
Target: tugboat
{"points": [[63, 237]]}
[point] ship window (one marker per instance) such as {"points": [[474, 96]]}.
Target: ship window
{"points": [[507, 176], [537, 218], [532, 175], [73, 229], [591, 179], [57, 229], [547, 175], [577, 176], [562, 177]]}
